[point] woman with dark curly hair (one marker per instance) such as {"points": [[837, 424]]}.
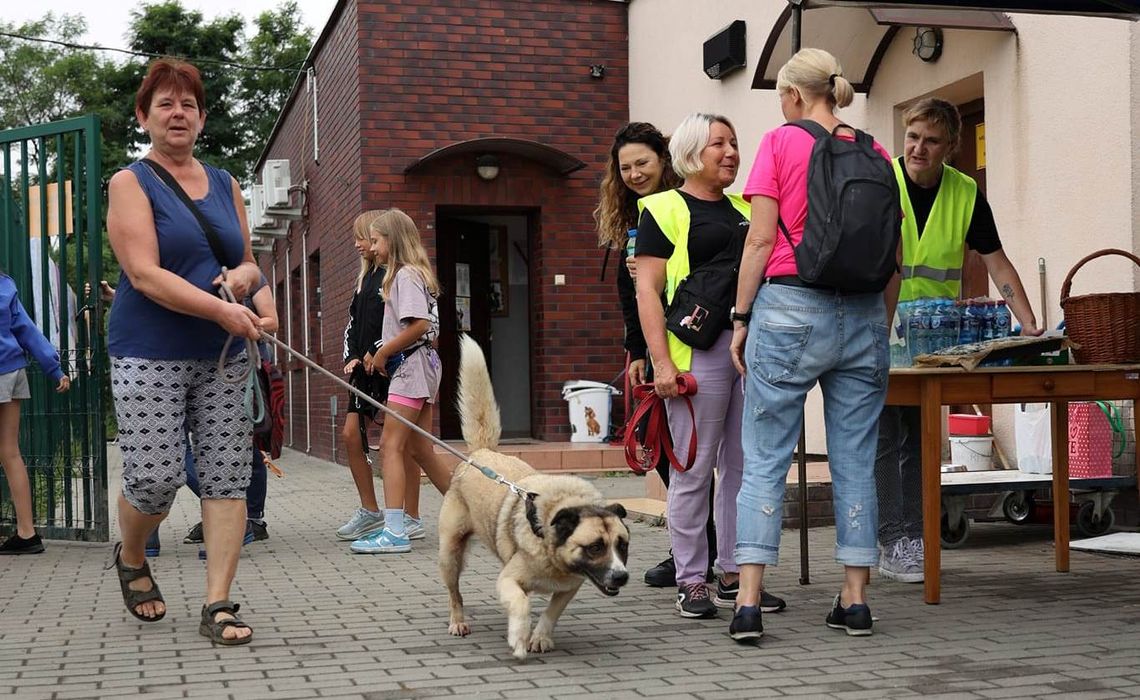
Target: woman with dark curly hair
{"points": [[639, 165]]}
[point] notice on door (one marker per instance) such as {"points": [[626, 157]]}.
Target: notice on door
{"points": [[980, 142]]}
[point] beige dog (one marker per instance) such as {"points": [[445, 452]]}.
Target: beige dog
{"points": [[549, 542]]}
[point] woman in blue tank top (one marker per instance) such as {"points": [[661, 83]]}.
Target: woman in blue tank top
{"points": [[167, 328]]}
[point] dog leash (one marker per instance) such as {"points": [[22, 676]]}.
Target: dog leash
{"points": [[656, 440], [514, 488]]}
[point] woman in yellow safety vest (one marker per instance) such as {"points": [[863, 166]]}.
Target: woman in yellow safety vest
{"points": [[680, 231], [944, 214]]}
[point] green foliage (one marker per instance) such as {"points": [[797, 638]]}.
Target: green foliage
{"points": [[46, 82]]}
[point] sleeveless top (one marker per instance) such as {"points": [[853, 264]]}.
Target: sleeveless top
{"points": [[141, 328]]}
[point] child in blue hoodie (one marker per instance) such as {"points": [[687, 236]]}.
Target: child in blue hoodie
{"points": [[18, 337]]}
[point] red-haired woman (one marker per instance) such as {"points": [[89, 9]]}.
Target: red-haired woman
{"points": [[167, 328]]}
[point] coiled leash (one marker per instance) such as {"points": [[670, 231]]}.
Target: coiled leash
{"points": [[517, 490], [255, 401], [642, 455]]}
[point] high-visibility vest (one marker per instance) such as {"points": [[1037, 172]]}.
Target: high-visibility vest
{"points": [[671, 213], [932, 264]]}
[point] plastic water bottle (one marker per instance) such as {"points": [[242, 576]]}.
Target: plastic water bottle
{"points": [[918, 329], [988, 329], [631, 242], [937, 331], [1002, 320], [900, 352], [951, 322]]}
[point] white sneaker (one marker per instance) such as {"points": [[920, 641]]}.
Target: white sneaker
{"points": [[362, 523], [897, 562], [414, 529]]}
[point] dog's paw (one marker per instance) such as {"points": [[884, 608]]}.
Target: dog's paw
{"points": [[540, 643], [459, 629], [519, 650]]}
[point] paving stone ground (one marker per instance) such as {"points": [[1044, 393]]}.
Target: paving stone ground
{"points": [[332, 624]]}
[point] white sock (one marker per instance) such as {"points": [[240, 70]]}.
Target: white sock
{"points": [[394, 520]]}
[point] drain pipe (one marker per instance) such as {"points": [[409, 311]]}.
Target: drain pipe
{"points": [[305, 328], [289, 334]]}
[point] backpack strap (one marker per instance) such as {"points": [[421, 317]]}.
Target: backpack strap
{"points": [[812, 127]]}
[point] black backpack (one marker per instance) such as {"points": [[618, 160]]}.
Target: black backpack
{"points": [[853, 225]]}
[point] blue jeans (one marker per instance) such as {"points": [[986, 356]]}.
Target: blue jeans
{"points": [[799, 336]]}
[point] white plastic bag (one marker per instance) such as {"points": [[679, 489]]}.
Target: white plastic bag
{"points": [[1033, 436]]}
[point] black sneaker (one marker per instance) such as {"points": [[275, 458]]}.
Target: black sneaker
{"points": [[746, 625], [664, 575], [693, 601], [194, 536], [726, 597], [770, 603], [260, 532], [855, 619], [21, 545], [726, 593]]}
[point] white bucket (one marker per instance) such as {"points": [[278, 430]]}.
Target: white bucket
{"points": [[589, 406], [976, 452]]}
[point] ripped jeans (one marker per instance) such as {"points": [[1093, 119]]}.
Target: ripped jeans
{"points": [[799, 336]]}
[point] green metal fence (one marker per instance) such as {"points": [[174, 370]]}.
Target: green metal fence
{"points": [[51, 216]]}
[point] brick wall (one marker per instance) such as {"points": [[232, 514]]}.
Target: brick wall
{"points": [[334, 196], [399, 80]]}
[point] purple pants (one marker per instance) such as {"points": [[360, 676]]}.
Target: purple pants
{"points": [[717, 405]]}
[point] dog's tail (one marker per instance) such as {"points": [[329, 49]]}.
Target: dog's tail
{"points": [[478, 412]]}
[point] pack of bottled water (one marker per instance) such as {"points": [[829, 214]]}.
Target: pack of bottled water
{"points": [[927, 325]]}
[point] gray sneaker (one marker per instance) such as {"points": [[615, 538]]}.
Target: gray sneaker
{"points": [[413, 529], [897, 562], [362, 524]]}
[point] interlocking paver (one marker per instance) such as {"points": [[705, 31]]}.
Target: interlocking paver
{"points": [[332, 624]]}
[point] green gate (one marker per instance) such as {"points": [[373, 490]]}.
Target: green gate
{"points": [[51, 216]]}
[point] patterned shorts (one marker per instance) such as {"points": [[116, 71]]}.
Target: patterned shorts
{"points": [[155, 401]]}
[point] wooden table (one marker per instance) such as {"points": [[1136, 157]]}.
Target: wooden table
{"points": [[932, 388]]}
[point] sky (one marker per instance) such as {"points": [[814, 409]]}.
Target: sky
{"points": [[107, 20]]}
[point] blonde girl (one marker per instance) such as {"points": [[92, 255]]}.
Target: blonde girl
{"points": [[408, 358], [362, 335]]}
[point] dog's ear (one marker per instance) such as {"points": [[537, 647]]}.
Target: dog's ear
{"points": [[564, 523], [617, 509]]}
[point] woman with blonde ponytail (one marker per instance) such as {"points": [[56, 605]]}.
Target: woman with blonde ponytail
{"points": [[789, 334]]}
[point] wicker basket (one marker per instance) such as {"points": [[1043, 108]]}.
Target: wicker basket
{"points": [[1106, 326]]}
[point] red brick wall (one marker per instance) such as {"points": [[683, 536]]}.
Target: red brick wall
{"points": [[435, 72], [334, 186]]}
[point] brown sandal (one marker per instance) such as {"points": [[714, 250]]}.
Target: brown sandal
{"points": [[213, 628], [132, 598]]}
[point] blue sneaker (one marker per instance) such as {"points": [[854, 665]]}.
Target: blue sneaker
{"points": [[153, 545], [413, 529], [385, 542], [855, 619]]}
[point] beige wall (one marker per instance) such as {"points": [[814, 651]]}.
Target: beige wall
{"points": [[1063, 168]]}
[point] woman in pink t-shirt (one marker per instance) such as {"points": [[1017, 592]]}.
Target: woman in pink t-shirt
{"points": [[787, 336]]}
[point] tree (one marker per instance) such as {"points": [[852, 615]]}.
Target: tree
{"points": [[282, 41]]}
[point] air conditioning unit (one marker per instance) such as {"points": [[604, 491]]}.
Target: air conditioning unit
{"points": [[275, 180], [258, 219]]}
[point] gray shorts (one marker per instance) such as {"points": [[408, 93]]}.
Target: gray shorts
{"points": [[14, 385]]}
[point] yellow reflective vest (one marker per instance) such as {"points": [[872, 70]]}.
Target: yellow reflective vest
{"points": [[932, 264], [671, 213]]}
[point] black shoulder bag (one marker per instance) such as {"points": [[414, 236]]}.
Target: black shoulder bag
{"points": [[700, 307]]}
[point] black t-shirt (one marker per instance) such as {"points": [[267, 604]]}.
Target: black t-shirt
{"points": [[982, 236], [712, 227]]}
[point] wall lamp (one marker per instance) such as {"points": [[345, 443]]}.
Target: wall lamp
{"points": [[487, 167]]}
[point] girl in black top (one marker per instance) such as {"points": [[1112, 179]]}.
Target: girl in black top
{"points": [[362, 337]]}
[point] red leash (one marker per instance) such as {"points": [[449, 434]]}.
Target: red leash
{"points": [[643, 456]]}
